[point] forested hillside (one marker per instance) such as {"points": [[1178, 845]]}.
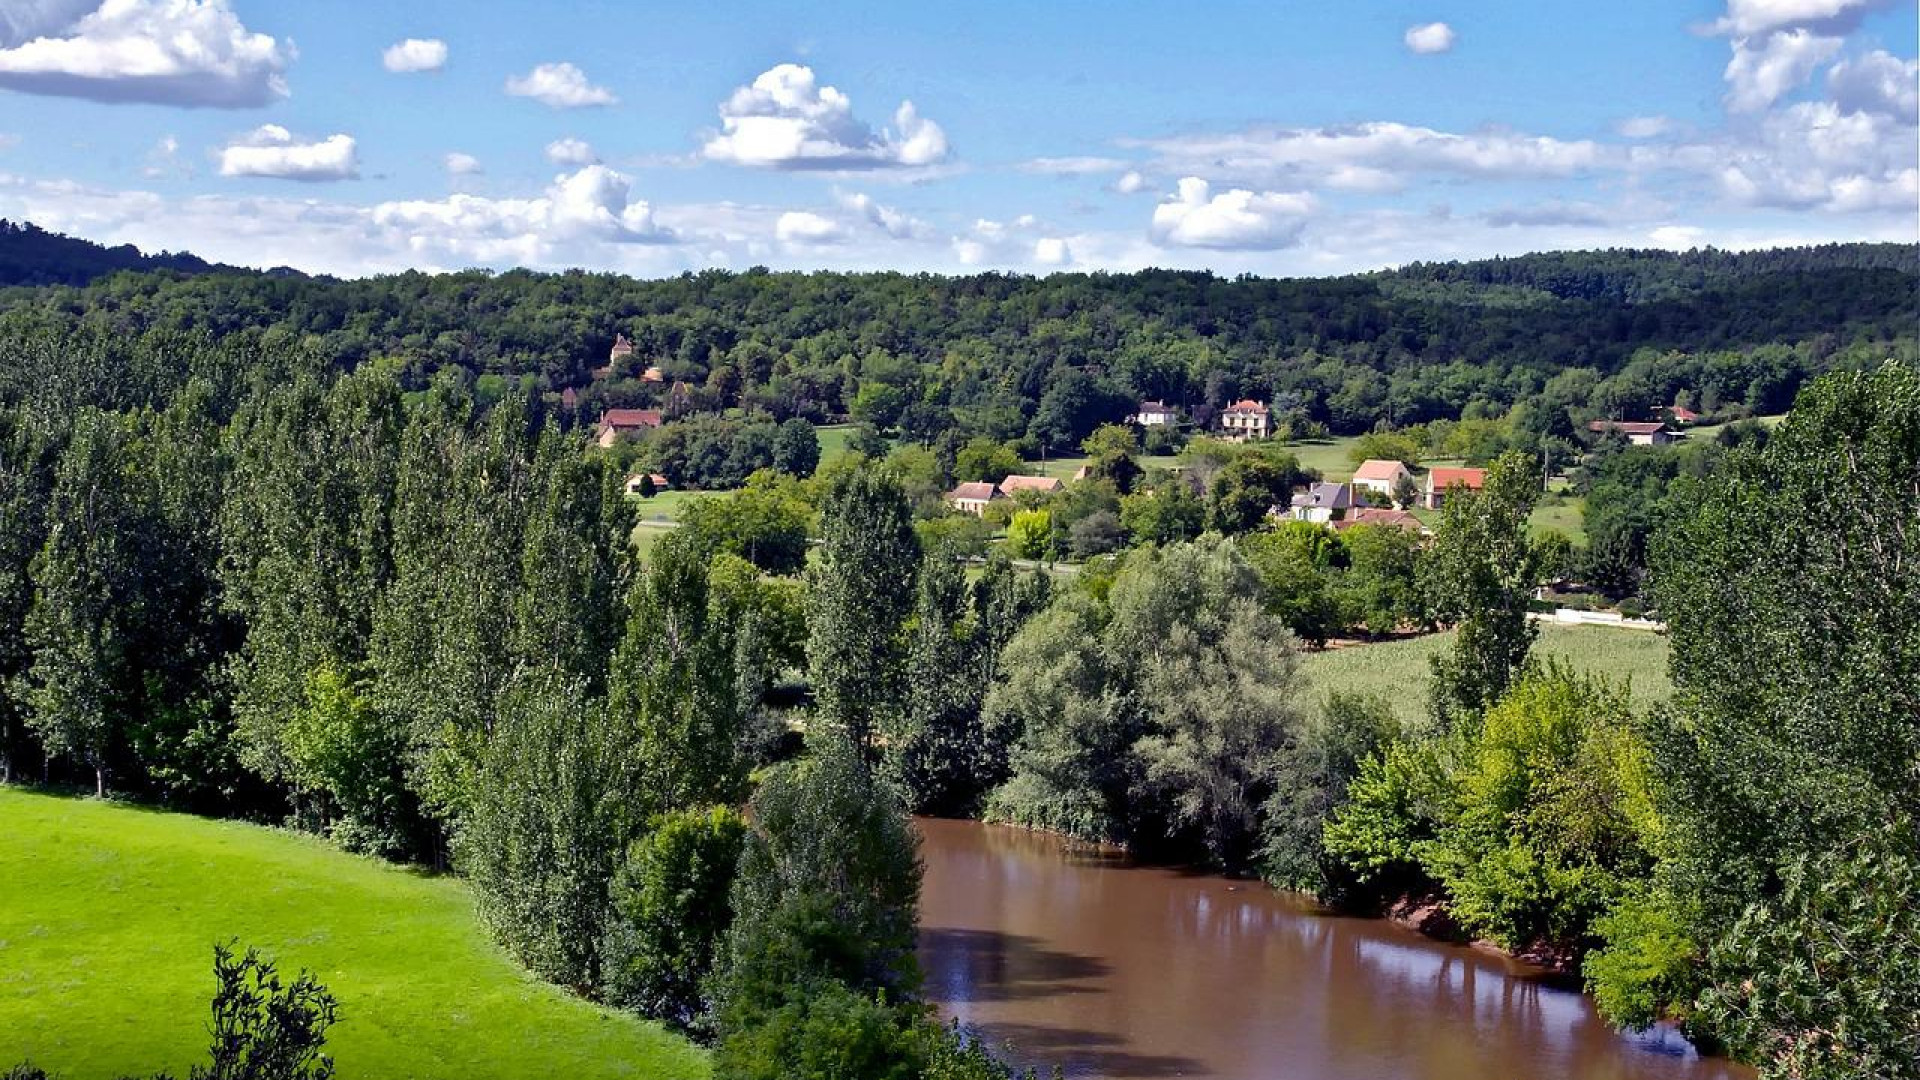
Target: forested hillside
{"points": [[1615, 333], [30, 255]]}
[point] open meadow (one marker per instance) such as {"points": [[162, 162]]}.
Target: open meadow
{"points": [[109, 914], [1397, 670]]}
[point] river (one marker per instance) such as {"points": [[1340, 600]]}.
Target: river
{"points": [[1079, 958]]}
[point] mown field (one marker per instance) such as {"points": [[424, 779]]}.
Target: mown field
{"points": [[1397, 670], [109, 913]]}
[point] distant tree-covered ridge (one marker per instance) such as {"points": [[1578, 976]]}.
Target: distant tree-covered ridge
{"points": [[1611, 333], [29, 255]]}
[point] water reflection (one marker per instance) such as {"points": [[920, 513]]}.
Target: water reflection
{"points": [[1077, 958]]}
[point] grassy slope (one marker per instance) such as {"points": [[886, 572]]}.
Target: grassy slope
{"points": [[108, 915], [1397, 670]]}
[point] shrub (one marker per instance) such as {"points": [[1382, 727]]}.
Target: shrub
{"points": [[671, 911]]}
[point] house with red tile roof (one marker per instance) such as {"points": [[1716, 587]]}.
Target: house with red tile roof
{"points": [[617, 424], [1442, 480]]}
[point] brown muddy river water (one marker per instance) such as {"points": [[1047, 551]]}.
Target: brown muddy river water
{"points": [[1081, 959]]}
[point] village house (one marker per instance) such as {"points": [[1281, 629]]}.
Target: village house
{"points": [[1322, 503], [973, 497], [622, 348], [636, 484], [1045, 485], [1245, 420], [1441, 481], [617, 424], [1649, 433], [1155, 414], [1683, 416], [1379, 476]]}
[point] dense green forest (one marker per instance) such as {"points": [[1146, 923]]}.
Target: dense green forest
{"points": [[262, 557]]}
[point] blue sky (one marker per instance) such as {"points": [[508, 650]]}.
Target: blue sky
{"points": [[1282, 138]]}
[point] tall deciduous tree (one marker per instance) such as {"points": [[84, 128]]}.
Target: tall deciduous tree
{"points": [[86, 587], [1479, 576], [859, 593]]}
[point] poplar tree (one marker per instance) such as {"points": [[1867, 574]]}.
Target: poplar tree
{"points": [[83, 580], [859, 593]]}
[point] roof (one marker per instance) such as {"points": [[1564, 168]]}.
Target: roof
{"points": [[1155, 406], [1031, 483], [1249, 405], [659, 480], [1684, 414], [1380, 515], [1379, 469], [1442, 479], [974, 490], [1628, 427], [1324, 495], [631, 418]]}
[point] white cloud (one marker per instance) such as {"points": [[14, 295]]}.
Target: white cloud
{"points": [[164, 159], [271, 150], [415, 54], [1429, 38], [560, 86], [579, 212], [804, 227], [1130, 182], [1643, 127], [571, 151], [786, 120], [1749, 18], [1877, 82], [1677, 237], [898, 225], [1318, 155], [1052, 251], [460, 164], [166, 52], [1758, 75], [1072, 166], [1814, 156], [1233, 220]]}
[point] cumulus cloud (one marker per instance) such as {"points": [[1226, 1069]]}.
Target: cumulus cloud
{"points": [[1750, 18], [579, 211], [1877, 83], [1429, 38], [1760, 73], [1378, 152], [560, 86], [460, 164], [1052, 251], [571, 151], [805, 227], [1130, 182], [786, 120], [415, 54], [1238, 219], [1812, 155], [898, 225], [165, 52], [273, 151]]}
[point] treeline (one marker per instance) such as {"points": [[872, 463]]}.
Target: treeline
{"points": [[29, 255], [1047, 360]]}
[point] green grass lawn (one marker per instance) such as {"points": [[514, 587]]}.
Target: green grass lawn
{"points": [[109, 913], [1397, 670], [833, 440], [1564, 513], [1707, 432], [668, 505]]}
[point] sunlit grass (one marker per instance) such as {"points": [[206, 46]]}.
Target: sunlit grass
{"points": [[1398, 670], [109, 914]]}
